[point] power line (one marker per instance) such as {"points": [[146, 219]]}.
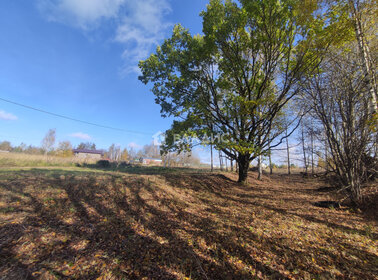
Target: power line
{"points": [[72, 119]]}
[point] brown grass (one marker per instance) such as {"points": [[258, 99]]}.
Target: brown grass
{"points": [[25, 160], [59, 224]]}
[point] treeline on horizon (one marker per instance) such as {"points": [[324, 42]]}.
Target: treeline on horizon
{"points": [[49, 147]]}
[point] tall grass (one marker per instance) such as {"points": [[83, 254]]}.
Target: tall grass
{"points": [[26, 160]]}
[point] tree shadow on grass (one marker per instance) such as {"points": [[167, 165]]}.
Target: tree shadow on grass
{"points": [[129, 227], [134, 238], [308, 217], [105, 237], [251, 198], [145, 170]]}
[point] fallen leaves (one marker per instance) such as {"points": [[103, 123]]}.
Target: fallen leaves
{"points": [[176, 226]]}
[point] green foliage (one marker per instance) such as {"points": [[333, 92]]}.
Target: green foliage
{"points": [[103, 163], [236, 78]]}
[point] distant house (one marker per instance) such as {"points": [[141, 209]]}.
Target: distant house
{"points": [[88, 154], [152, 161]]}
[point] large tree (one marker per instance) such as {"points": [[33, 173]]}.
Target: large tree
{"points": [[235, 79]]}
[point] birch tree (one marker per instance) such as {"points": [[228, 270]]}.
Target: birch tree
{"points": [[48, 141]]}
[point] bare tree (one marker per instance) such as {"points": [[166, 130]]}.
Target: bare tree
{"points": [[270, 162], [303, 147], [312, 148], [86, 146], [48, 141], [326, 154], [183, 159], [211, 155], [220, 160], [114, 152], [288, 153], [151, 151], [259, 167], [339, 98], [111, 152], [118, 153], [363, 48]]}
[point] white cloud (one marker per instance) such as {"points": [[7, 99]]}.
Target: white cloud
{"points": [[81, 13], [142, 29], [81, 135], [134, 145], [140, 25], [7, 116]]}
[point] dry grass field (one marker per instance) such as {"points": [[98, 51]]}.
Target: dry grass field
{"points": [[24, 160], [152, 223]]}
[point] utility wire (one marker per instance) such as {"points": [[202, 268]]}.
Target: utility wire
{"points": [[72, 119]]}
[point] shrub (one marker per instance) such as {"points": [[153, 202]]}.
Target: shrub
{"points": [[124, 164], [103, 163]]}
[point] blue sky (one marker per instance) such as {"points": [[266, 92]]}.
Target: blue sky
{"points": [[79, 58]]}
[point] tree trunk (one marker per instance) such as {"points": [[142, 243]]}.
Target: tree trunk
{"points": [[312, 152], [211, 154], [304, 148], [365, 56], [220, 161], [243, 164], [270, 162], [288, 154], [259, 158], [367, 62], [259, 168], [326, 155], [355, 189]]}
